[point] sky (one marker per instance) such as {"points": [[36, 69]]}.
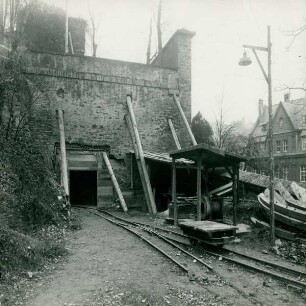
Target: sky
{"points": [[221, 27]]}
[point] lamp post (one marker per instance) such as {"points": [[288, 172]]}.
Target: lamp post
{"points": [[244, 61]]}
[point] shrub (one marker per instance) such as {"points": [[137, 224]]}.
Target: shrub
{"points": [[31, 216]]}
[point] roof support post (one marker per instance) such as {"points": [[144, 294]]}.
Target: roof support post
{"points": [[174, 199], [235, 178], [199, 192]]}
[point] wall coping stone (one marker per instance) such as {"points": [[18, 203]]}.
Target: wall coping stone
{"points": [[98, 77], [91, 58]]}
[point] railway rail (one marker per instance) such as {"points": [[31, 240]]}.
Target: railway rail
{"points": [[227, 253], [181, 242]]}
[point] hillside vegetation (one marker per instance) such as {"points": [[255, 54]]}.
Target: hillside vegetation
{"points": [[33, 217]]}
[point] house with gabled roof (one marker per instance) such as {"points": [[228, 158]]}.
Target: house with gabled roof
{"points": [[289, 138]]}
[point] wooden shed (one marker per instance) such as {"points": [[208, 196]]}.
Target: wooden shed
{"points": [[206, 157]]}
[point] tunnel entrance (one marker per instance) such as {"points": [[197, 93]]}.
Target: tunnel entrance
{"points": [[83, 188]]}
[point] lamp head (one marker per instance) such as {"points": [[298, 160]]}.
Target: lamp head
{"points": [[245, 60]]}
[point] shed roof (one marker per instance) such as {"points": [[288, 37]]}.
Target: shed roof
{"points": [[210, 156], [163, 158]]}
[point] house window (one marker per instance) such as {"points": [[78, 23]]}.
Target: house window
{"points": [[304, 143], [303, 173], [304, 119], [276, 173], [285, 145], [278, 146], [281, 122], [285, 172]]}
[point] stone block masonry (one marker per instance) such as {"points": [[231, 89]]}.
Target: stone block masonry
{"points": [[94, 99], [92, 93]]}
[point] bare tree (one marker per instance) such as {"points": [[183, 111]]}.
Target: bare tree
{"points": [[295, 33], [285, 87], [13, 16], [149, 44], [93, 31], [159, 31], [301, 102], [224, 132], [2, 14]]}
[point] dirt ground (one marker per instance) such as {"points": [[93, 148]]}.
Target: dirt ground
{"points": [[108, 266]]}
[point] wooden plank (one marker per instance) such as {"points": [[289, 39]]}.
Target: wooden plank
{"points": [[115, 182], [299, 191], [130, 129], [297, 224], [99, 174], [84, 165], [82, 157], [230, 172], [281, 206], [146, 182], [279, 232], [64, 168], [223, 192], [72, 152], [208, 226], [83, 168], [174, 135], [178, 104], [221, 188]]}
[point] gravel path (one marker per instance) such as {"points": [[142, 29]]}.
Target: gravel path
{"points": [[108, 266]]}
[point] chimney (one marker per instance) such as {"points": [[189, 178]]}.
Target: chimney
{"points": [[287, 97], [260, 107]]}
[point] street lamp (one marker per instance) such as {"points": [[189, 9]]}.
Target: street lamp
{"points": [[244, 61]]}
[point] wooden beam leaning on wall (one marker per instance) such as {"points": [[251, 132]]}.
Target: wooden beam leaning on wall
{"points": [[144, 177], [146, 183], [130, 129], [174, 135], [178, 104], [114, 181], [64, 167]]}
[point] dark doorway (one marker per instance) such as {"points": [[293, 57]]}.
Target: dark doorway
{"points": [[83, 187]]}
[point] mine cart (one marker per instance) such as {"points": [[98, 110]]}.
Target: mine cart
{"points": [[207, 226]]}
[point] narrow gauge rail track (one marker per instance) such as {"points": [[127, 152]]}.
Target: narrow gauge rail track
{"points": [[225, 253], [149, 230]]}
